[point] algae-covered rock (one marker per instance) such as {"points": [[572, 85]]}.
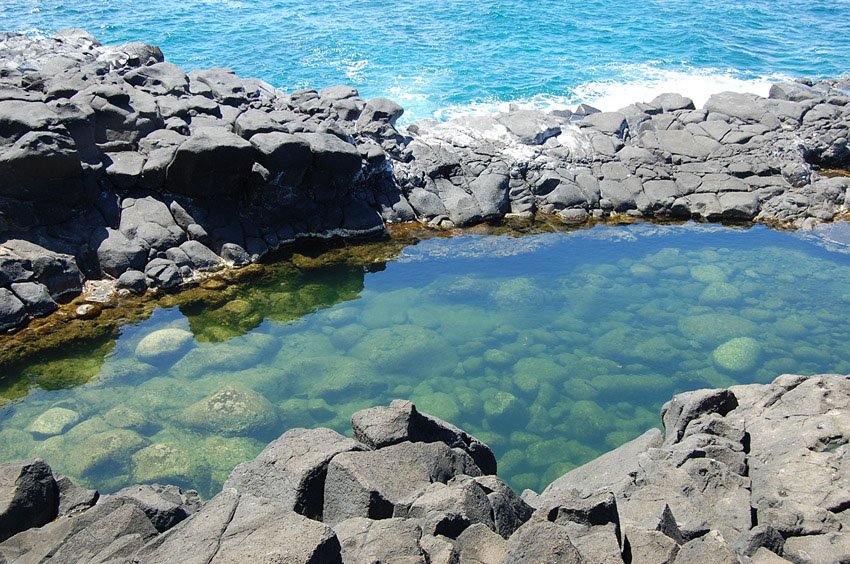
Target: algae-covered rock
{"points": [[110, 448], [53, 421], [214, 358], [15, 444], [223, 454], [231, 411], [168, 463], [588, 419], [720, 293], [406, 349], [440, 404], [708, 273], [497, 357], [164, 346], [124, 417], [504, 408], [737, 355], [580, 389], [714, 328], [160, 394]]}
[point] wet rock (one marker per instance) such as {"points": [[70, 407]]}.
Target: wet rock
{"points": [[292, 469], [35, 297], [12, 310], [28, 496], [231, 411], [54, 421], [164, 345], [133, 280], [166, 462], [737, 355]]}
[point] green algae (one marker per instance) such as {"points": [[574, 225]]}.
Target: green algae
{"points": [[552, 349]]}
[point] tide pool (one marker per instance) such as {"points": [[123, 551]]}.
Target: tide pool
{"points": [[552, 348], [440, 58]]}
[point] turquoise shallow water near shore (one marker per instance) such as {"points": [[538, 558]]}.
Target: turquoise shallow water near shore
{"points": [[440, 57], [552, 348]]}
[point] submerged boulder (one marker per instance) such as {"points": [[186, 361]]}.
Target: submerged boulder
{"points": [[231, 411]]}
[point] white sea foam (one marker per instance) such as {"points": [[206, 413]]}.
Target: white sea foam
{"points": [[629, 84], [642, 83]]}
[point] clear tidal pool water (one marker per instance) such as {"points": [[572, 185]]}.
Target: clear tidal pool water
{"points": [[552, 348]]}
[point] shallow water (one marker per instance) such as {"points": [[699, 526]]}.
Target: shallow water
{"points": [[437, 57], [551, 348]]}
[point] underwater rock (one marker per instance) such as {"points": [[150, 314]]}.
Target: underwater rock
{"points": [[405, 349], [163, 345], [737, 355], [108, 447], [54, 421], [230, 411], [715, 328], [166, 463], [504, 407]]}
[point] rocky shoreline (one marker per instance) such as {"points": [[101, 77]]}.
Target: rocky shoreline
{"points": [[751, 474], [119, 166]]}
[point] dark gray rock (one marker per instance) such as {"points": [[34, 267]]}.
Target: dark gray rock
{"points": [[12, 310], [375, 484], [133, 280], [245, 528], [677, 413], [28, 496], [378, 427], [73, 498], [448, 509], [200, 256], [287, 157], [117, 254], [543, 542], [292, 469], [42, 165], [159, 78], [610, 123], [593, 525], [710, 548], [165, 506], [509, 510], [223, 84], [478, 544], [672, 102], [818, 549], [364, 541], [35, 297], [211, 162], [163, 273], [650, 546], [380, 109]]}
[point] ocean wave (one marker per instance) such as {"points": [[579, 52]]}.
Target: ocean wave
{"points": [[627, 84]]}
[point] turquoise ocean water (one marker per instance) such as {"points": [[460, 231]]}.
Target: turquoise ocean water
{"points": [[439, 57]]}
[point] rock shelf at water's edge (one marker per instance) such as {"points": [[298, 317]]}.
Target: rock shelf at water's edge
{"points": [[753, 473], [119, 166]]}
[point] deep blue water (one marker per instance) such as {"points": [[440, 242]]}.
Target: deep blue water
{"points": [[440, 56]]}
